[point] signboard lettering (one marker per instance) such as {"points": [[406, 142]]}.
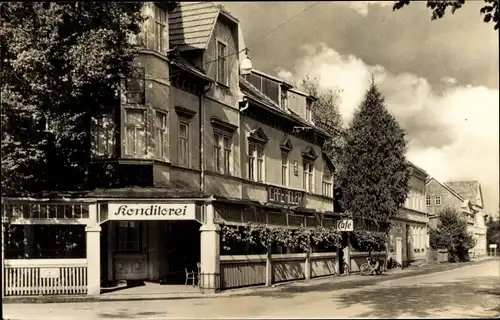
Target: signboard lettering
{"points": [[284, 196], [151, 211], [345, 225]]}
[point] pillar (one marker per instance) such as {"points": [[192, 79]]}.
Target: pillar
{"points": [[210, 252], [307, 265], [269, 267], [347, 253], [93, 237], [3, 259]]}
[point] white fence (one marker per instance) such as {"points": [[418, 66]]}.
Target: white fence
{"points": [[45, 277]]}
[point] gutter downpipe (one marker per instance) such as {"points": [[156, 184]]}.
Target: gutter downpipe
{"points": [[202, 137]]}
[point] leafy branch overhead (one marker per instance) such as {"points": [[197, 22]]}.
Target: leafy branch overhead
{"points": [[439, 7]]}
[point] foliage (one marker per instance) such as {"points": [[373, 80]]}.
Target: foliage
{"points": [[451, 234], [375, 176], [493, 232], [326, 115], [62, 62], [302, 238], [489, 11], [368, 241]]}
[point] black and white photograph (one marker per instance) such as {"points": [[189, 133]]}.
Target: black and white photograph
{"points": [[250, 159]]}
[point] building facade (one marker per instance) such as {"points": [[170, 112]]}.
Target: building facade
{"points": [[408, 238], [191, 145], [464, 196]]}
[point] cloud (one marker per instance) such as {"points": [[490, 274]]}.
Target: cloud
{"points": [[361, 7], [452, 131]]}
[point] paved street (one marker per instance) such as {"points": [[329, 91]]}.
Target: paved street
{"points": [[470, 291]]}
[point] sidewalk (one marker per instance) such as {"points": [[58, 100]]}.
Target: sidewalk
{"points": [[343, 281]]}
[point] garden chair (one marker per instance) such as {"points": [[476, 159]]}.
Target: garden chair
{"points": [[190, 275]]}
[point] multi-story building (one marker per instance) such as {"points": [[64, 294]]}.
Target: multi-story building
{"points": [[191, 144], [464, 196], [408, 238]]}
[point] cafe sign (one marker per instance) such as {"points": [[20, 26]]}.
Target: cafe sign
{"points": [[284, 196], [151, 211]]}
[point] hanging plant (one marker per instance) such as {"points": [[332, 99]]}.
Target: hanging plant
{"points": [[262, 235], [229, 234], [368, 240], [327, 237], [284, 237], [303, 238]]}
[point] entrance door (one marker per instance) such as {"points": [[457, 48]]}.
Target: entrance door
{"points": [[399, 250], [131, 254]]}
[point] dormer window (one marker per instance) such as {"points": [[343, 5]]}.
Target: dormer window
{"points": [[222, 68], [160, 20]]}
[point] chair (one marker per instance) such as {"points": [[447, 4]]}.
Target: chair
{"points": [[190, 276]]}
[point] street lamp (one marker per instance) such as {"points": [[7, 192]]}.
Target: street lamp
{"points": [[246, 64]]}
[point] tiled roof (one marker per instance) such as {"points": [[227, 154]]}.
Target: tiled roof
{"points": [[470, 190], [253, 93], [191, 24], [185, 65]]}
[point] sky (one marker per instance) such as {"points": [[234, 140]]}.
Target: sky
{"points": [[440, 78]]}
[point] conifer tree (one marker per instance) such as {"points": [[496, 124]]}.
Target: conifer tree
{"points": [[374, 175]]}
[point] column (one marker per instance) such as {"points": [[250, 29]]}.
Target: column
{"points": [[93, 237], [210, 251], [269, 268]]}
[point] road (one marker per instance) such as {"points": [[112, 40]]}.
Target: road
{"points": [[469, 291]]}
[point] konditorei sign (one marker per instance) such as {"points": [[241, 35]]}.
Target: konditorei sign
{"points": [[151, 211]]}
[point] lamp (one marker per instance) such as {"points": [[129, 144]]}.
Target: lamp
{"points": [[246, 64]]}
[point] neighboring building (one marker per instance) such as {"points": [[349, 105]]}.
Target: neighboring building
{"points": [[408, 238], [464, 196], [191, 144]]}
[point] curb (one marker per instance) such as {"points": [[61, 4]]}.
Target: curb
{"points": [[236, 292]]}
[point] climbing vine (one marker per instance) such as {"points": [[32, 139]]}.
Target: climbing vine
{"points": [[368, 241], [303, 238]]}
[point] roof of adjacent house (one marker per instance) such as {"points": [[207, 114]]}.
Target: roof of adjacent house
{"points": [[470, 190], [191, 24], [254, 94], [446, 187]]}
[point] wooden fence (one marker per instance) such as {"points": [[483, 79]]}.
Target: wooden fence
{"points": [[45, 277], [248, 270]]}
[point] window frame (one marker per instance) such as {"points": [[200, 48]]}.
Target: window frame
{"points": [[220, 161], [308, 184], [187, 141], [225, 63], [285, 169], [159, 27], [327, 182], [106, 129], [308, 110], [164, 131], [126, 126], [436, 198], [428, 201], [256, 169]]}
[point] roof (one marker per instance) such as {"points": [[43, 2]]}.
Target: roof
{"points": [[254, 94], [418, 169], [446, 187], [191, 24], [186, 66], [470, 190]]}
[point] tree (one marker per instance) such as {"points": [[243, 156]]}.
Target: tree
{"points": [[62, 63], [439, 7], [326, 115], [451, 234], [374, 175], [493, 232]]}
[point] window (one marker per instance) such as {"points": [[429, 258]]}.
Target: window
{"points": [[285, 173], [308, 110], [428, 201], [183, 151], [129, 237], [256, 162], [161, 138], [222, 153], [222, 75], [160, 21], [103, 136], [135, 132], [327, 184], [437, 201], [308, 168], [135, 86]]}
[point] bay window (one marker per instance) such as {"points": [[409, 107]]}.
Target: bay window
{"points": [[160, 23], [103, 135], [135, 132]]}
